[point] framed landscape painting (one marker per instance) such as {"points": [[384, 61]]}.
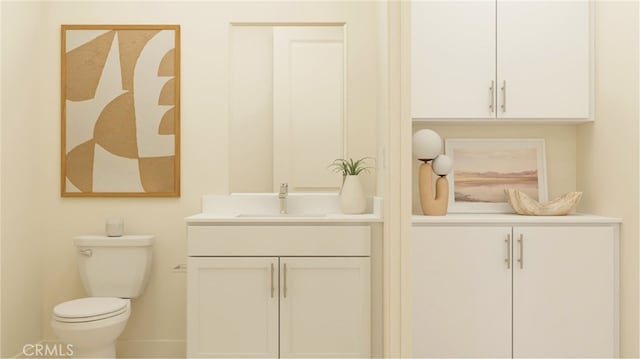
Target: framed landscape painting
{"points": [[484, 168], [120, 110]]}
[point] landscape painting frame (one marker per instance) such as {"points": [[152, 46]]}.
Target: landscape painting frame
{"points": [[483, 168]]}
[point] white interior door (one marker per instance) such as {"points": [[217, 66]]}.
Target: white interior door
{"points": [[325, 307], [544, 58], [453, 60], [232, 310], [308, 106], [565, 295], [461, 292]]}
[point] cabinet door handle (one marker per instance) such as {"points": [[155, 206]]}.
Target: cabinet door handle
{"points": [[284, 274], [492, 96], [521, 242], [504, 96], [508, 257], [273, 288]]}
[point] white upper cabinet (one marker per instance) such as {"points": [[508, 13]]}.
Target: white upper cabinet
{"points": [[453, 59], [501, 59], [544, 59]]}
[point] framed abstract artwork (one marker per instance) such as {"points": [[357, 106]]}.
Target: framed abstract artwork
{"points": [[484, 168], [120, 104]]}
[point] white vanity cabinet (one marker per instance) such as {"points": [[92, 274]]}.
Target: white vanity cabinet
{"points": [[274, 291], [547, 287], [492, 59]]}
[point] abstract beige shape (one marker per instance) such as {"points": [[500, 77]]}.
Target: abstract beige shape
{"points": [[84, 67], [79, 166], [157, 174], [167, 94], [166, 68], [131, 43], [115, 129], [167, 124]]}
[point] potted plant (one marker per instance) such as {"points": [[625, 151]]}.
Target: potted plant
{"points": [[352, 199]]}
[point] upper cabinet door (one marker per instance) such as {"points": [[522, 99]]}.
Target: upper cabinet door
{"points": [[543, 59], [453, 60]]}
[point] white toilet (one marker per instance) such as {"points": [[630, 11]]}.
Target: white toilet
{"points": [[113, 269]]}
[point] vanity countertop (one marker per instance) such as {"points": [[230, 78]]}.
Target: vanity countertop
{"points": [[511, 219], [234, 218], [263, 208]]}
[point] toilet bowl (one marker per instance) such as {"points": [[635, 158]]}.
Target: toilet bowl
{"points": [[91, 325], [112, 269]]}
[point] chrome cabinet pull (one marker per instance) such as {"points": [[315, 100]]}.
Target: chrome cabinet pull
{"points": [[273, 288], [285, 280], [508, 257], [504, 96], [491, 96], [521, 242]]}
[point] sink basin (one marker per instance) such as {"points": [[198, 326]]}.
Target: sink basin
{"points": [[278, 215]]}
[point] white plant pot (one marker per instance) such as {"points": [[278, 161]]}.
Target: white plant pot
{"points": [[352, 200]]}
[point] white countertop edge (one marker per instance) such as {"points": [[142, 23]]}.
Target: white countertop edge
{"points": [[512, 218], [204, 218]]}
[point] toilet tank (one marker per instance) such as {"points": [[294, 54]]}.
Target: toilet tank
{"points": [[114, 266]]}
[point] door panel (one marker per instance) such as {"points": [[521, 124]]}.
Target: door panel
{"points": [[565, 294], [544, 57], [461, 292], [325, 311], [309, 105], [231, 310], [453, 60]]}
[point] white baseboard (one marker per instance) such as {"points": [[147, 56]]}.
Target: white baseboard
{"points": [[157, 349]]}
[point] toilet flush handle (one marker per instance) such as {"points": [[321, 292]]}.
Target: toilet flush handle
{"points": [[87, 252]]}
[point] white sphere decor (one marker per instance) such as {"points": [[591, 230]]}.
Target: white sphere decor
{"points": [[442, 165], [427, 144]]}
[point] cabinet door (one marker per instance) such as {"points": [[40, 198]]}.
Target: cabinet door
{"points": [[565, 296], [232, 308], [461, 292], [453, 59], [325, 307], [544, 59]]}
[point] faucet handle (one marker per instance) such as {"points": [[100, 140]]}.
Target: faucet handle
{"points": [[284, 188]]}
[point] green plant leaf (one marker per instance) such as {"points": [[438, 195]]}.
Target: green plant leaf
{"points": [[350, 167]]}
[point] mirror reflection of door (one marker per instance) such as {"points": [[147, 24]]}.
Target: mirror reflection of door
{"points": [[288, 105]]}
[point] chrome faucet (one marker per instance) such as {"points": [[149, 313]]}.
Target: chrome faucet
{"points": [[284, 192]]}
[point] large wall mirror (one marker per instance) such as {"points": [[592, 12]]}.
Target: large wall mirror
{"points": [[288, 104]]}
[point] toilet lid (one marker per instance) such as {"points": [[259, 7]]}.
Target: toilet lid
{"points": [[90, 307]]}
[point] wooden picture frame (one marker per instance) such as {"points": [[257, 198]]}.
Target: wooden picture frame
{"points": [[120, 111], [483, 168]]}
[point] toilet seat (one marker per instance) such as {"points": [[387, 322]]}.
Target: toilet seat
{"points": [[90, 309]]}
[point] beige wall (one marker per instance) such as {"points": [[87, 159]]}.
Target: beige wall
{"points": [[21, 243], [608, 160], [157, 325]]}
